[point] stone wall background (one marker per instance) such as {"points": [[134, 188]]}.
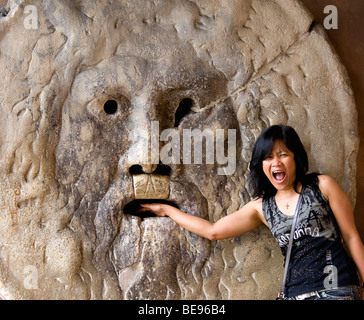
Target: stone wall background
{"points": [[348, 41]]}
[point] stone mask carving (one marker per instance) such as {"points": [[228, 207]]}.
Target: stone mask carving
{"points": [[80, 98]]}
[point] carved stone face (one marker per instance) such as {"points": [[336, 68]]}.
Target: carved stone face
{"points": [[99, 157], [104, 106]]}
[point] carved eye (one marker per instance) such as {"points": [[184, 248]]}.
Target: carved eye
{"points": [[111, 107], [184, 109]]}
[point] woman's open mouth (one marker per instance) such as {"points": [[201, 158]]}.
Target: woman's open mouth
{"points": [[279, 176]]}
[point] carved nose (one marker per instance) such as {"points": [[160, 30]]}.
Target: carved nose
{"points": [[149, 168]]}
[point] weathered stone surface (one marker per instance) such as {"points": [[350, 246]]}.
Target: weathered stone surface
{"points": [[67, 151]]}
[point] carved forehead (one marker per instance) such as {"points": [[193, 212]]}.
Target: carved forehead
{"points": [[233, 36], [134, 75], [153, 30]]}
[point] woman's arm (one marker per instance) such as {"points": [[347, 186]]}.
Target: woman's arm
{"points": [[343, 211], [232, 225]]}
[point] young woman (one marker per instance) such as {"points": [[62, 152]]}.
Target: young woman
{"points": [[320, 268]]}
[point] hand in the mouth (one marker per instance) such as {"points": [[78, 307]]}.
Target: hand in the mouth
{"points": [[159, 210]]}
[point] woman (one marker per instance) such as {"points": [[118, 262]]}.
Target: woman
{"points": [[320, 268]]}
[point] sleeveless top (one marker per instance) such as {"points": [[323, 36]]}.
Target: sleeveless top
{"points": [[318, 258]]}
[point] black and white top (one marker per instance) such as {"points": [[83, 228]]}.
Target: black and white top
{"points": [[318, 259]]}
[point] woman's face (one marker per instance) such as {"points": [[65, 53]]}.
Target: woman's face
{"points": [[280, 166]]}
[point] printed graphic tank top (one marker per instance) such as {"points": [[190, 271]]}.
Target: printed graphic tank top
{"points": [[318, 259]]}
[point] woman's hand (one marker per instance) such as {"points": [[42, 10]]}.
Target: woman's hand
{"points": [[194, 224], [160, 210]]}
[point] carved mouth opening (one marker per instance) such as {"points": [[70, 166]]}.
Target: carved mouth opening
{"points": [[132, 207]]}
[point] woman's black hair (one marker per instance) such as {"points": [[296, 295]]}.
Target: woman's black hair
{"points": [[258, 181]]}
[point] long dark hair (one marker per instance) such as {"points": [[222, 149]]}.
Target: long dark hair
{"points": [[258, 181]]}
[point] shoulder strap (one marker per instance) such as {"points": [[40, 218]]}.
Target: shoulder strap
{"points": [[288, 255]]}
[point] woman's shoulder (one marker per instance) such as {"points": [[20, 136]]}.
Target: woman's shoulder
{"points": [[324, 179], [322, 183], [256, 203], [257, 206], [319, 178], [327, 184]]}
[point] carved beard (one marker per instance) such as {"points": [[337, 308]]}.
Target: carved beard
{"points": [[153, 257]]}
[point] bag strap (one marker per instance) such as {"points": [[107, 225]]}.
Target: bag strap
{"points": [[288, 255]]}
